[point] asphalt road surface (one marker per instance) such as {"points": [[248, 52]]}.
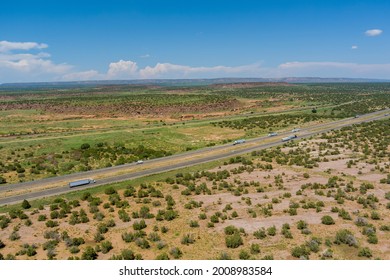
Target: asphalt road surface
{"points": [[63, 187]]}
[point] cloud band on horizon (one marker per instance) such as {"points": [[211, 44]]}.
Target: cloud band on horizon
{"points": [[17, 61]]}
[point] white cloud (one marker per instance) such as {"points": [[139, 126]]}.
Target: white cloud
{"points": [[304, 65], [373, 32], [19, 63], [168, 70], [129, 70], [6, 46], [122, 69], [28, 63], [24, 62], [145, 56]]}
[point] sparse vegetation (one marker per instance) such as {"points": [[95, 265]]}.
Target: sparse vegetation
{"points": [[334, 185]]}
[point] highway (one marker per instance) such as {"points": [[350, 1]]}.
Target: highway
{"points": [[14, 193]]}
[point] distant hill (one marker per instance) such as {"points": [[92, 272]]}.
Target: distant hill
{"points": [[188, 82]]}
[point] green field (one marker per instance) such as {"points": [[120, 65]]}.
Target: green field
{"points": [[43, 130]]}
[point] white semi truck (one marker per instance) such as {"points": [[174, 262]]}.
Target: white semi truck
{"points": [[288, 138], [241, 141]]}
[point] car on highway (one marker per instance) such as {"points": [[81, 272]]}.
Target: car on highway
{"points": [[139, 162], [272, 134], [295, 130]]}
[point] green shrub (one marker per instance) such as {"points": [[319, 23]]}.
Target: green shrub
{"points": [[314, 244], [327, 254], [365, 252], [28, 223], [187, 239], [344, 236], [98, 237], [74, 249], [102, 228], [85, 146], [360, 221], [89, 254], [127, 237], [372, 239], [130, 191], [142, 243], [224, 256], [139, 225], [301, 224], [260, 233], [163, 256], [214, 219], [255, 248], [268, 257], [301, 252], [2, 180], [127, 254], [51, 224], [327, 220], [51, 244], [176, 253], [271, 231], [109, 191], [385, 228], [286, 231], [4, 221], [110, 223], [26, 204], [154, 237], [170, 215], [106, 247], [244, 255], [54, 214], [161, 245], [375, 215], [229, 230], [202, 216], [233, 241], [292, 211], [194, 224], [31, 251], [344, 214]]}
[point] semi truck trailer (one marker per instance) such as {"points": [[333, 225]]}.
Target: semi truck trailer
{"points": [[81, 183], [288, 138], [241, 141]]}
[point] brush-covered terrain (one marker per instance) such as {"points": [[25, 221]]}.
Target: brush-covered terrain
{"points": [[326, 197], [47, 132]]}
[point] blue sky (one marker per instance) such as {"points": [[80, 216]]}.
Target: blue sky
{"points": [[84, 40]]}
